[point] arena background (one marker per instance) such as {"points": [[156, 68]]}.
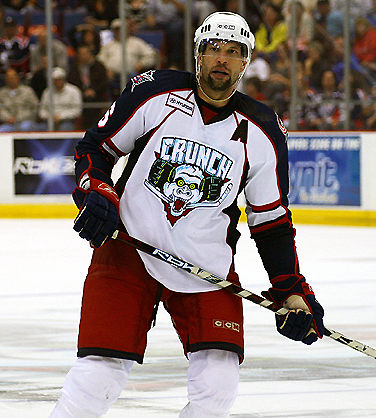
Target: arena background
{"points": [[333, 175]]}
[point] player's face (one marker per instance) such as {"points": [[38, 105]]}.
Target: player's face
{"points": [[221, 63]]}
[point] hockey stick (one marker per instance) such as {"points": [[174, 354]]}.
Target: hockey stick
{"points": [[233, 288]]}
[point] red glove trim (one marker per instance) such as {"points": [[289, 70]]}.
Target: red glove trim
{"points": [[105, 190]]}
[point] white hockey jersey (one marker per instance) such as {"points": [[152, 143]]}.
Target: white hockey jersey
{"points": [[185, 171]]}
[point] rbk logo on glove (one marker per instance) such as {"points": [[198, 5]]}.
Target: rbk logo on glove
{"points": [[103, 187], [99, 212]]}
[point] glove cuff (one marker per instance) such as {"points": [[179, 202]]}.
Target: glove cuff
{"points": [[101, 187], [79, 195], [286, 285], [105, 190]]}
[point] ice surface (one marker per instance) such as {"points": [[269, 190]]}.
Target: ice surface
{"points": [[43, 264]]}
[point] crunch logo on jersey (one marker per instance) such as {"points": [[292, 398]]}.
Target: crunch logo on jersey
{"points": [[186, 175]]}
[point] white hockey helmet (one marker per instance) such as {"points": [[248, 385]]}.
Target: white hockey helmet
{"points": [[225, 26]]}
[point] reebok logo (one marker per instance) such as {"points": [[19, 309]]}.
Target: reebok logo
{"points": [[220, 323], [108, 189]]}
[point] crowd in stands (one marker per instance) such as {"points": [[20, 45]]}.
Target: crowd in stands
{"points": [[87, 58]]}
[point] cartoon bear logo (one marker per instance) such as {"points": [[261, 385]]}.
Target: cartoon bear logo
{"points": [[184, 187]]}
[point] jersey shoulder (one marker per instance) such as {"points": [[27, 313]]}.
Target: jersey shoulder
{"points": [[154, 82], [139, 91], [262, 116]]}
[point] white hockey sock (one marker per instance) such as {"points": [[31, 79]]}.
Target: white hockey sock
{"points": [[213, 378], [92, 385]]}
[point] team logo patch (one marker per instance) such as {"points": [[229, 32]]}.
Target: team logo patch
{"points": [[282, 127], [186, 175], [180, 103], [142, 78], [220, 323]]}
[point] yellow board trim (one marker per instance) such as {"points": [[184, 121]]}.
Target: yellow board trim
{"points": [[38, 210], [344, 217]]}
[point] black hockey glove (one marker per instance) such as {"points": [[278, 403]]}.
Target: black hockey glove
{"points": [[304, 322], [99, 212]]}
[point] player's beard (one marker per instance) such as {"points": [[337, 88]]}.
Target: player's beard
{"points": [[215, 84], [219, 85]]}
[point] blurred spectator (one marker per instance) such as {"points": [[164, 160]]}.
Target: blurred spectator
{"points": [[85, 34], [304, 99], [258, 67], [39, 50], [254, 87], [15, 4], [137, 11], [202, 9], [315, 65], [329, 24], [255, 14], [254, 11], [369, 109], [14, 49], [308, 5], [38, 80], [30, 6], [90, 76], [338, 60], [167, 15], [18, 104], [371, 15], [67, 103], [68, 4], [2, 20], [358, 8], [102, 12], [327, 110], [272, 32], [140, 56], [358, 97], [304, 28], [364, 46], [278, 3], [234, 7], [279, 82]]}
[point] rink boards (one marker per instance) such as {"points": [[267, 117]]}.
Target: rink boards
{"points": [[332, 176]]}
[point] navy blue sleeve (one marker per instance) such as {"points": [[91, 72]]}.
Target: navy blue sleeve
{"points": [[275, 240]]}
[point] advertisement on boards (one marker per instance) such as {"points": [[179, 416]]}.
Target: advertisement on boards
{"points": [[44, 166], [324, 169]]}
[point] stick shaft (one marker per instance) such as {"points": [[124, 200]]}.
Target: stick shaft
{"points": [[231, 287]]}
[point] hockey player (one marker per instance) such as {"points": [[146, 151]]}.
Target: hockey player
{"points": [[194, 143]]}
